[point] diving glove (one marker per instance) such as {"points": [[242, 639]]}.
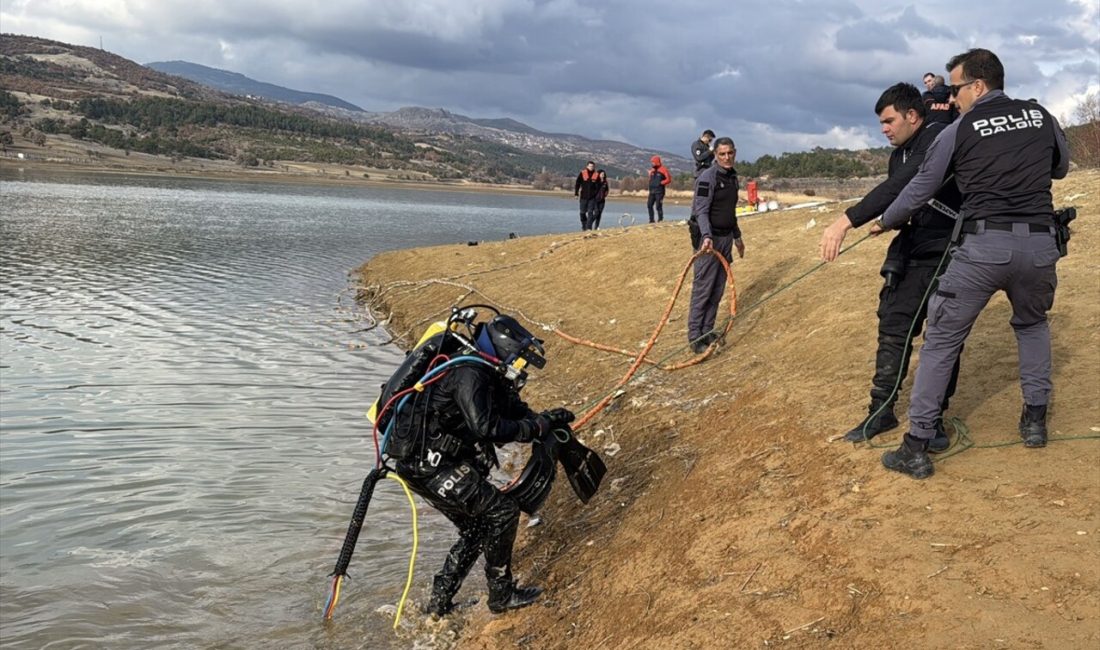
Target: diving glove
{"points": [[559, 416]]}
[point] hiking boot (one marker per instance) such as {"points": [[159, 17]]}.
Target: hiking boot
{"points": [[505, 595], [911, 459], [940, 443], [710, 338], [1033, 426], [880, 418], [699, 347]]}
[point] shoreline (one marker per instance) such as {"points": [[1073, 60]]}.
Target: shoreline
{"points": [[64, 157]]}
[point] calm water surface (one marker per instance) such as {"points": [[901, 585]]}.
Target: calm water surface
{"points": [[183, 377]]}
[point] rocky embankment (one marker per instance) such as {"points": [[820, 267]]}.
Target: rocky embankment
{"points": [[730, 517]]}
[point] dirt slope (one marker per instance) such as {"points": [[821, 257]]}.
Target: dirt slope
{"points": [[728, 519]]}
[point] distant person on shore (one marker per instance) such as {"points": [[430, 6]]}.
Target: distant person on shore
{"points": [[601, 199], [702, 152], [1009, 243], [659, 178], [713, 226], [929, 80], [586, 188], [911, 261], [937, 101]]}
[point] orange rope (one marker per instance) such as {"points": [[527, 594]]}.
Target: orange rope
{"points": [[640, 358]]}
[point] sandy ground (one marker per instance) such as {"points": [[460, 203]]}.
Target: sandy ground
{"points": [[728, 518]]}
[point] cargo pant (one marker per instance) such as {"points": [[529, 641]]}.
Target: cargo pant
{"points": [[899, 309], [1022, 264], [707, 287]]}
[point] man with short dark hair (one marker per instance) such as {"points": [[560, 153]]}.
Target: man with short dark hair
{"points": [[929, 80], [714, 226], [702, 152], [1003, 153], [912, 262]]}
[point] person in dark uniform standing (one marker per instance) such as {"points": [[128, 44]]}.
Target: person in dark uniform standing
{"points": [[1003, 153], [586, 189], [702, 153], [911, 261], [446, 447], [713, 226], [601, 199]]}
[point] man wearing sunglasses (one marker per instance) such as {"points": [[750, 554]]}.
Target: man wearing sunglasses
{"points": [[912, 261], [1003, 153]]}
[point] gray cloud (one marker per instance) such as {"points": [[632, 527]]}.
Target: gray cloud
{"points": [[779, 75]]}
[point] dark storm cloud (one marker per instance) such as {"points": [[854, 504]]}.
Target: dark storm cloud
{"points": [[870, 35], [786, 74]]}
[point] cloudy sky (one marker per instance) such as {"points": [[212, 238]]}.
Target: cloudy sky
{"points": [[777, 75]]}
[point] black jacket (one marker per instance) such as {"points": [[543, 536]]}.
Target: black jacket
{"points": [[462, 417], [1003, 154], [928, 232], [715, 204], [587, 185], [702, 154], [938, 104]]}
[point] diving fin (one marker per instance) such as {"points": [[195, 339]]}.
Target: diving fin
{"points": [[582, 466]]}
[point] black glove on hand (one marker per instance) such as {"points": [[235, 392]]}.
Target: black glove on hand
{"points": [[533, 428], [559, 416]]}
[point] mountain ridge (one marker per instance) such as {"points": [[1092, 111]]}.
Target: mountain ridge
{"points": [[420, 120], [239, 84]]}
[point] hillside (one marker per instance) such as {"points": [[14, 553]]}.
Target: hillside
{"points": [[83, 106], [729, 517], [238, 84], [58, 96]]}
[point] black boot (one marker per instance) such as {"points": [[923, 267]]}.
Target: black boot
{"points": [[505, 595], [880, 418], [911, 458], [1033, 426], [941, 442], [444, 589]]}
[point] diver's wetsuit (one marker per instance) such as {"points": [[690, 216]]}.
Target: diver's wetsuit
{"points": [[465, 414]]}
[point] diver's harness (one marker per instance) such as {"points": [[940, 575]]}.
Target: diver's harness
{"points": [[405, 427]]}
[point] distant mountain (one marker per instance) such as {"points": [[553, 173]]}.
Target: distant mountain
{"points": [[415, 120], [506, 131], [53, 93], [238, 84]]}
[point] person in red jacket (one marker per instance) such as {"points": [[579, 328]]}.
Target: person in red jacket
{"points": [[659, 178]]}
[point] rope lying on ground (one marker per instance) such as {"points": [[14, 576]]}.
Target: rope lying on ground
{"points": [[641, 357]]}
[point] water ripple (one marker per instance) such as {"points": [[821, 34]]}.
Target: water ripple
{"points": [[183, 385]]}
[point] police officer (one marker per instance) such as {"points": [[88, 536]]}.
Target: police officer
{"points": [[702, 152], [448, 438], [911, 261], [713, 226], [1004, 153]]}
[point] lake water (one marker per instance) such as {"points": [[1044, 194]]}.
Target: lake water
{"points": [[183, 376]]}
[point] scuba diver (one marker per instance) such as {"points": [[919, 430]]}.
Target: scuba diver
{"points": [[443, 445]]}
